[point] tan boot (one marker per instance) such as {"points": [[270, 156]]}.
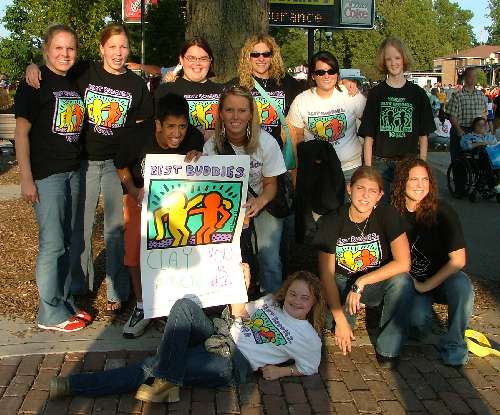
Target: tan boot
{"points": [[159, 391]]}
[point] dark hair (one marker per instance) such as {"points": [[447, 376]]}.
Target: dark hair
{"points": [[54, 29], [426, 213], [370, 173], [113, 29], [203, 44], [172, 104], [442, 114], [475, 121], [329, 59], [468, 70]]}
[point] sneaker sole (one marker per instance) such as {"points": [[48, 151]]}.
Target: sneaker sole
{"points": [[129, 335], [41, 326], [170, 395]]}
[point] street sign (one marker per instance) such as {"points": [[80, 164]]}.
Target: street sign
{"points": [[131, 10], [333, 14]]}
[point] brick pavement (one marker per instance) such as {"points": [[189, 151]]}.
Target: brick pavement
{"points": [[345, 385]]}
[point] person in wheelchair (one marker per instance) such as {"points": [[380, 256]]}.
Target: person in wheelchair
{"points": [[475, 143]]}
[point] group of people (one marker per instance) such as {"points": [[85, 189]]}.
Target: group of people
{"points": [[84, 129]]}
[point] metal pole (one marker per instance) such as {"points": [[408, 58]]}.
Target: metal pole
{"points": [[143, 9], [310, 43]]}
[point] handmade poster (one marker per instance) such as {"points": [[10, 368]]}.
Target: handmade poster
{"points": [[191, 224]]}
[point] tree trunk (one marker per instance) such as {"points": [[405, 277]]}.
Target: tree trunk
{"points": [[226, 24]]}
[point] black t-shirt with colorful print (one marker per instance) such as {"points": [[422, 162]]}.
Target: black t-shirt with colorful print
{"points": [[395, 118], [202, 97], [358, 249], [112, 102], [56, 113], [430, 245]]}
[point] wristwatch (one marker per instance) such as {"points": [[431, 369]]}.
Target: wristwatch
{"points": [[356, 289]]}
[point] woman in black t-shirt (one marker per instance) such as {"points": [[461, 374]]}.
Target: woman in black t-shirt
{"points": [[48, 125], [398, 115], [364, 258], [193, 83], [115, 100], [438, 256]]}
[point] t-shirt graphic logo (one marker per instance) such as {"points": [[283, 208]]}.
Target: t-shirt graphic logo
{"points": [[396, 117], [268, 116], [419, 264], [359, 253], [328, 127], [107, 108], [203, 110], [68, 115], [264, 330]]}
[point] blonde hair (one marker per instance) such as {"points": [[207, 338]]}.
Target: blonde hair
{"points": [[316, 315], [253, 127], [276, 68], [54, 30], [398, 44]]}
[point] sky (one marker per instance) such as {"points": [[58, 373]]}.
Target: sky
{"points": [[478, 7]]}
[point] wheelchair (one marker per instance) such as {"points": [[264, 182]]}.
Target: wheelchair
{"points": [[474, 168]]}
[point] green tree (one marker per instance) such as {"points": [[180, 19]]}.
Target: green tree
{"points": [[164, 33], [453, 23], [494, 29], [293, 44], [27, 21]]}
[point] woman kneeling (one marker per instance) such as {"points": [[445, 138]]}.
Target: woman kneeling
{"points": [[263, 334], [437, 257], [364, 258]]}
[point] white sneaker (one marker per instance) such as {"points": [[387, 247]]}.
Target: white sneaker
{"points": [[136, 324], [497, 188]]}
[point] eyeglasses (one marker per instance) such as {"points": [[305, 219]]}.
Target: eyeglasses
{"points": [[263, 54], [322, 72], [192, 59]]}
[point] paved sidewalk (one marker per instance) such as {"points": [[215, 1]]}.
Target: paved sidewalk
{"points": [[345, 385]]}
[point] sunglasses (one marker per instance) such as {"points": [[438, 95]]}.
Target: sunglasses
{"points": [[263, 54], [322, 72]]}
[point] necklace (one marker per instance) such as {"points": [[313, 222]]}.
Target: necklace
{"points": [[361, 231]]}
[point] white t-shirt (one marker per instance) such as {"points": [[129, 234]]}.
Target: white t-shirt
{"points": [[266, 161], [443, 130], [271, 336], [331, 119]]}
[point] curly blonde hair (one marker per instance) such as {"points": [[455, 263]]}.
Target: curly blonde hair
{"points": [[276, 69], [253, 126], [317, 314]]}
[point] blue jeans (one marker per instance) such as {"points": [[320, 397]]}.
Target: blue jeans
{"points": [[101, 177], [396, 294], [55, 214], [181, 359], [269, 230], [456, 291], [386, 167]]}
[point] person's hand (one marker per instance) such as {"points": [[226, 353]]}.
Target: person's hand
{"points": [[33, 76], [170, 76], [421, 287], [29, 191], [343, 336], [137, 194], [353, 302], [193, 156], [246, 273], [271, 372], [254, 205]]}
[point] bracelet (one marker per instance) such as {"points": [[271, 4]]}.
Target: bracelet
{"points": [[292, 372]]}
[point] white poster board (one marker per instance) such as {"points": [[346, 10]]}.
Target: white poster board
{"points": [[190, 231]]}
